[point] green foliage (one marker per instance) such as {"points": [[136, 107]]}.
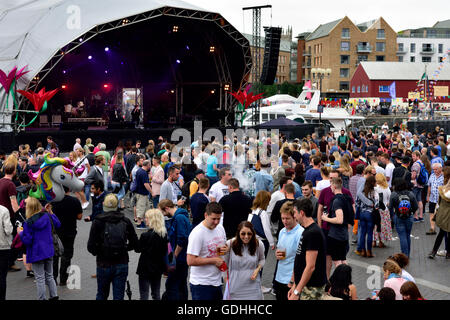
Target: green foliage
{"points": [[292, 89]]}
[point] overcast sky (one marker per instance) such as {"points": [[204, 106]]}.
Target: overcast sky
{"points": [[307, 15]]}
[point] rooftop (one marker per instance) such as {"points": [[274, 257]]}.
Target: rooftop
{"points": [[403, 70]]}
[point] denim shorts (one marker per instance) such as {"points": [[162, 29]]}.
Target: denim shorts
{"points": [[417, 193]]}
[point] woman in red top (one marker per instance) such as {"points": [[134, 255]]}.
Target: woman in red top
{"points": [[409, 291]]}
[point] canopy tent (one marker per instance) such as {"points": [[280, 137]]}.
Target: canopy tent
{"points": [[279, 98], [38, 33]]}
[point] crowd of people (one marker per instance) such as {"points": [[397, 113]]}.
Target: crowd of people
{"points": [[210, 214]]}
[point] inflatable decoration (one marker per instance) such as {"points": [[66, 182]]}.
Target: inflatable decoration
{"points": [[52, 176], [245, 100]]}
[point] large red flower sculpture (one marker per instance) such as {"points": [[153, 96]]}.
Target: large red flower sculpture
{"points": [[7, 80], [39, 99]]}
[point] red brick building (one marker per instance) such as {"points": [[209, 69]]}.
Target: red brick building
{"points": [[371, 81]]}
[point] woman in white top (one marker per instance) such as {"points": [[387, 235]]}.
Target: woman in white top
{"points": [[83, 161], [325, 182], [385, 235], [259, 208], [73, 156]]}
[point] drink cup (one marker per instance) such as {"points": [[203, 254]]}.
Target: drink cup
{"points": [[220, 249], [282, 251]]}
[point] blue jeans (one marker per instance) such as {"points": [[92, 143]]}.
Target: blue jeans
{"points": [[155, 200], [366, 229], [404, 227], [43, 273], [117, 275], [176, 284], [212, 180], [87, 191], [153, 282], [121, 193], [207, 293]]}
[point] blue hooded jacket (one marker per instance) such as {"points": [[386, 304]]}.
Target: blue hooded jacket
{"points": [[37, 236], [178, 229]]}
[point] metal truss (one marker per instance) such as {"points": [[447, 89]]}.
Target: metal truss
{"points": [[123, 22]]}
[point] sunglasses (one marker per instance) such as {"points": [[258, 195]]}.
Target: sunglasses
{"points": [[246, 234]]}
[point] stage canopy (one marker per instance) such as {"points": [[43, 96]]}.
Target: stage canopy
{"points": [[40, 33]]}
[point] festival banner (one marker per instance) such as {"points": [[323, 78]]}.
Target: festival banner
{"points": [[441, 91]]}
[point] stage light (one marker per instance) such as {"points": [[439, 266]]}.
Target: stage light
{"points": [[212, 49], [172, 91], [90, 57], [187, 48], [175, 29], [125, 21], [106, 71], [106, 49], [64, 71], [106, 86], [81, 39], [178, 61], [63, 86], [213, 91], [226, 87], [121, 63]]}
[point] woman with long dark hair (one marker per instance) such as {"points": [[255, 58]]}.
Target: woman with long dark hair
{"points": [[367, 200], [341, 285], [244, 260]]}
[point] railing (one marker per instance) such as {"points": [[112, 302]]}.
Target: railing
{"points": [[427, 51], [363, 48]]}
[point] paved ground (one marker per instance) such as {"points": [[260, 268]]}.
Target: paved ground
{"points": [[432, 276]]}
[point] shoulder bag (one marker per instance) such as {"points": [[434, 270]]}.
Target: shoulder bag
{"points": [[57, 243]]}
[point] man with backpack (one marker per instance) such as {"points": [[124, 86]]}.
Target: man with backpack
{"points": [[403, 203], [191, 187], [112, 235], [419, 179], [402, 172]]}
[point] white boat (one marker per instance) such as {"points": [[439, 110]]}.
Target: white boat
{"points": [[304, 110]]}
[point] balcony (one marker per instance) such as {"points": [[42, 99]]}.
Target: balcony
{"points": [[427, 51], [306, 53], [363, 48], [401, 51], [306, 66]]}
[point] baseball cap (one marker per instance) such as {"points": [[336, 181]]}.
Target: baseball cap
{"points": [[397, 155], [110, 203]]}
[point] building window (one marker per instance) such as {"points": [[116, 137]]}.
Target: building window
{"points": [[426, 59], [440, 59], [401, 47], [412, 48], [412, 59], [359, 89], [400, 59], [381, 34], [363, 57], [379, 58], [345, 33], [345, 45], [383, 89], [353, 89], [427, 47], [344, 73], [380, 46], [343, 85], [345, 59], [431, 33], [441, 48]]}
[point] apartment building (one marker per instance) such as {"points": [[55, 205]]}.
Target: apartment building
{"points": [[429, 45], [333, 51], [286, 69]]}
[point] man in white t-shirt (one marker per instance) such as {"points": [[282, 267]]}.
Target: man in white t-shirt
{"points": [[278, 195], [206, 242], [220, 188], [389, 170]]}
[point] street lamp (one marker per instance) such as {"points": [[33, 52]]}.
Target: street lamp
{"points": [[321, 73]]}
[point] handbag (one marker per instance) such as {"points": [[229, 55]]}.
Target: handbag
{"points": [[57, 243], [376, 217]]}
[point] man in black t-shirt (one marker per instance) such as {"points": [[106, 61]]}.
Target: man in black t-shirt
{"points": [[310, 275], [68, 211]]}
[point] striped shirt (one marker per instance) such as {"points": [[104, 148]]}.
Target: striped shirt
{"points": [[434, 183]]}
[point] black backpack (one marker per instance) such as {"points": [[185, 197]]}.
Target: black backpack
{"points": [[185, 190], [257, 225], [115, 239]]}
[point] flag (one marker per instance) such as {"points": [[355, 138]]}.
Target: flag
{"points": [[308, 85], [423, 76], [392, 90], [353, 110]]}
